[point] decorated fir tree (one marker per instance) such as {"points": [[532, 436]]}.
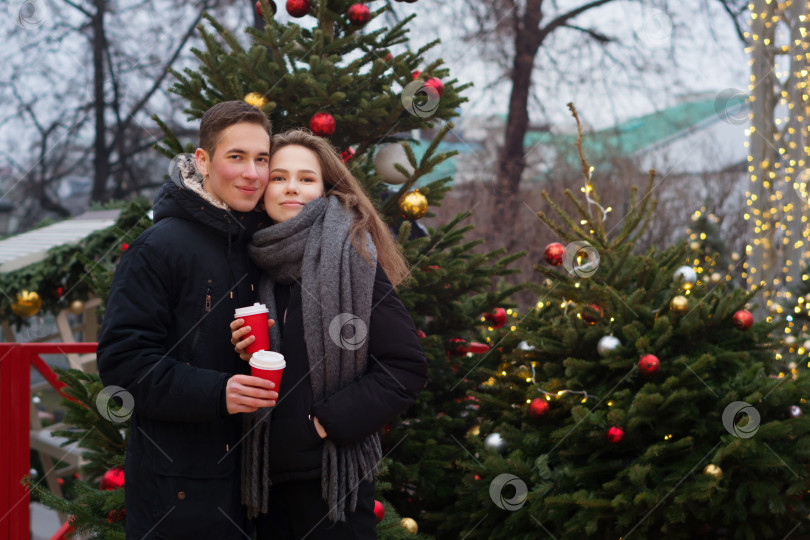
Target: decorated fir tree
{"points": [[639, 400], [366, 91]]}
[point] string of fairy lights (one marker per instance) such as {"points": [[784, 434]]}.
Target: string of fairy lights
{"points": [[779, 191]]}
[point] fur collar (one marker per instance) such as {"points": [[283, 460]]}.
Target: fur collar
{"points": [[193, 180]]}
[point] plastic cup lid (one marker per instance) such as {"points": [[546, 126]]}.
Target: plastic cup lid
{"points": [[255, 309], [268, 360]]}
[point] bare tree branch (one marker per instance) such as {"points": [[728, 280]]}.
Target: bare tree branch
{"points": [[596, 35], [122, 127], [726, 4], [565, 17]]}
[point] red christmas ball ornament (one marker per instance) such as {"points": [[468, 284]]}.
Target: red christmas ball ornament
{"points": [[359, 14], [116, 515], [298, 8], [458, 346], [554, 253], [497, 318], [615, 435], [322, 124], [538, 408], [416, 74], [112, 479], [379, 510], [433, 82], [124, 246], [259, 7], [592, 313], [743, 319], [478, 348], [60, 292], [388, 56], [649, 364], [346, 155], [421, 334]]}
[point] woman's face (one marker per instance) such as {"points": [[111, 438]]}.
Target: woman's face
{"points": [[295, 179]]}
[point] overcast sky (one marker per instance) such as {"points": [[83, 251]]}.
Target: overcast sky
{"points": [[691, 50]]}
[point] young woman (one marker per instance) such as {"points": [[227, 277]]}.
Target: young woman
{"points": [[353, 355]]}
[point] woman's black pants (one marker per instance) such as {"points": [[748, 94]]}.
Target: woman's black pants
{"points": [[297, 512]]}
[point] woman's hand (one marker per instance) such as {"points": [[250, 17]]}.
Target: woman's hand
{"points": [[319, 427], [239, 331]]}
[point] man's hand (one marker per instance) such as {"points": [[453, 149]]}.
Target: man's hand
{"points": [[245, 393]]}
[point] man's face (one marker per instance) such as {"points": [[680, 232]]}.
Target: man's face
{"points": [[238, 171]]}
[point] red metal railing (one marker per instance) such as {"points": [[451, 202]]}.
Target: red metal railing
{"points": [[16, 360]]}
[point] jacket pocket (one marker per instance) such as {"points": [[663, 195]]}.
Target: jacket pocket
{"points": [[295, 446], [199, 508]]}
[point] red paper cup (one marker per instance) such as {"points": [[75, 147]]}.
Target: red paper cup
{"points": [[268, 365], [255, 316]]}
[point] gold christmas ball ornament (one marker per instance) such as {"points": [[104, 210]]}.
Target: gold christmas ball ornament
{"points": [[256, 99], [679, 305], [27, 304], [76, 307], [489, 383], [409, 525], [713, 470], [413, 205]]}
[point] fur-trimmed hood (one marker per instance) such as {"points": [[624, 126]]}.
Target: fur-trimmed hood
{"points": [[186, 175]]}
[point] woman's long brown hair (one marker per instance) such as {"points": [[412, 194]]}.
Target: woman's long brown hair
{"points": [[339, 181]]}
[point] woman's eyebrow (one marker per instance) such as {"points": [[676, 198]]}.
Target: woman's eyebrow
{"points": [[310, 171]]}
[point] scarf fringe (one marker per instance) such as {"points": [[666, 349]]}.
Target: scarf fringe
{"points": [[343, 469]]}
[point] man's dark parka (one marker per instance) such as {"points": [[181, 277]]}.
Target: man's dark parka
{"points": [[165, 339]]}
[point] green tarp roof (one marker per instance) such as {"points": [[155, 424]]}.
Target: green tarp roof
{"points": [[622, 140]]}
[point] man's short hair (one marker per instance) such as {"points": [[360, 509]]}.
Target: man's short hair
{"points": [[225, 114]]}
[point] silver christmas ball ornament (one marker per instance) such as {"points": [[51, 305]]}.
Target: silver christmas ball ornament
{"points": [[685, 277], [608, 345], [495, 443]]}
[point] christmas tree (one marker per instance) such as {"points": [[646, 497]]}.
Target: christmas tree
{"points": [[366, 91], [639, 400]]}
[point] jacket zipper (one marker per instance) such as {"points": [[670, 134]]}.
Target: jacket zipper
{"points": [[208, 294]]}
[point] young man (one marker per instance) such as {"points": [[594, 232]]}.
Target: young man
{"points": [[166, 338]]}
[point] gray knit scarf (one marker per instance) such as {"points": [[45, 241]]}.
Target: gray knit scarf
{"points": [[315, 249]]}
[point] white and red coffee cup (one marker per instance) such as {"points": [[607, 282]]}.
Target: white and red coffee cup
{"points": [[268, 365], [255, 316]]}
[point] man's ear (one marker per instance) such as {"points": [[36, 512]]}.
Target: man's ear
{"points": [[201, 158]]}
